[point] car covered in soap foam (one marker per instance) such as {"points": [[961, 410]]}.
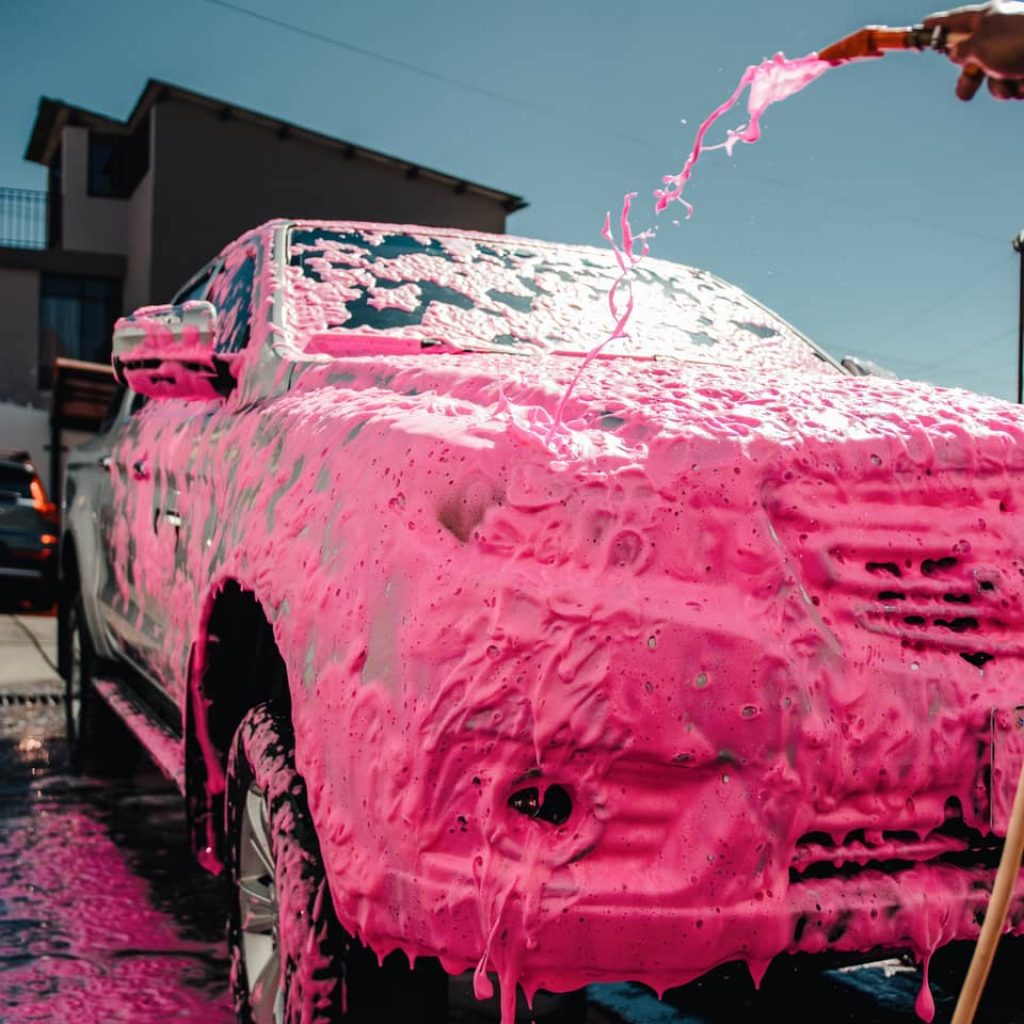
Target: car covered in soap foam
{"points": [[485, 648]]}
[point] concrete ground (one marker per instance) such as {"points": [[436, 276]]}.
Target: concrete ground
{"points": [[104, 916], [28, 656]]}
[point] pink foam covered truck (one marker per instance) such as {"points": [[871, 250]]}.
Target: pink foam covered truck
{"points": [[713, 656]]}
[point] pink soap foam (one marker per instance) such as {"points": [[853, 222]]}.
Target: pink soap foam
{"points": [[924, 1004], [769, 82], [627, 258], [456, 609], [98, 949], [646, 603]]}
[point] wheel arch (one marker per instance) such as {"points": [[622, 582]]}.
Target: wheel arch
{"points": [[234, 665]]}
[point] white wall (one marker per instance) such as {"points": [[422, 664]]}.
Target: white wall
{"points": [[88, 223], [23, 427]]}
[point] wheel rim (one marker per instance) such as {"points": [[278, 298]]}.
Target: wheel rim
{"points": [[258, 913], [75, 683]]}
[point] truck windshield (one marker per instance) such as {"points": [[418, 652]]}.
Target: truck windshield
{"points": [[526, 297]]}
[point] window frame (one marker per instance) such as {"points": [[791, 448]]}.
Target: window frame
{"points": [[113, 299], [129, 152], [203, 276], [250, 300]]}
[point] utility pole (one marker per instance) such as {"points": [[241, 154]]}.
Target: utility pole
{"points": [[1018, 244]]}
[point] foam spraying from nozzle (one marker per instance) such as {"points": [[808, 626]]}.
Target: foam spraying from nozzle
{"points": [[877, 40]]}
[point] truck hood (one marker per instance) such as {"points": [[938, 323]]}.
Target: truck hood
{"points": [[639, 408], [843, 529]]}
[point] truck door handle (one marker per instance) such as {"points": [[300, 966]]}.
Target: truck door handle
{"points": [[104, 462]]}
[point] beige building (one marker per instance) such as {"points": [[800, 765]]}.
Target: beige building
{"points": [[134, 207]]}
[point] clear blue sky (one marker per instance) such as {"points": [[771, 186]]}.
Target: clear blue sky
{"points": [[876, 213]]}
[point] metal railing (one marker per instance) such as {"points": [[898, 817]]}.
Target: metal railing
{"points": [[22, 218]]}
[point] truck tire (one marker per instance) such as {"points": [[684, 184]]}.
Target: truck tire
{"points": [[99, 743], [310, 969]]}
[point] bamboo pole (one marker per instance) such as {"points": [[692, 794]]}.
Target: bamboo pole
{"points": [[995, 915]]}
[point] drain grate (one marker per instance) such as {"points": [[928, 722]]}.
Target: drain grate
{"points": [[30, 699]]}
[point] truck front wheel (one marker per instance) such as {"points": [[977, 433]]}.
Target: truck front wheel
{"points": [[290, 958]]}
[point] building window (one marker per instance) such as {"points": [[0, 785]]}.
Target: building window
{"points": [[117, 162], [76, 320]]}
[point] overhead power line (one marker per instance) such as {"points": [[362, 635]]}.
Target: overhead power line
{"points": [[550, 113], [375, 55], [947, 297], [543, 110], [974, 350], [915, 366]]}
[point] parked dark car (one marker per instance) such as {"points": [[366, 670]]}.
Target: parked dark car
{"points": [[29, 533]]}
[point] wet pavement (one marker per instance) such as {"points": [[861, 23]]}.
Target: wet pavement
{"points": [[104, 917]]}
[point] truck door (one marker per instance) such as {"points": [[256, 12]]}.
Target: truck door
{"points": [[170, 473]]}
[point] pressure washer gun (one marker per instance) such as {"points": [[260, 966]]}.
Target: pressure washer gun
{"points": [[877, 40]]}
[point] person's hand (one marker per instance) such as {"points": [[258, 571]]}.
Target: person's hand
{"points": [[993, 47]]}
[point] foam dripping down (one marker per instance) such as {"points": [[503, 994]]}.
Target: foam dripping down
{"points": [[766, 83], [924, 1005]]}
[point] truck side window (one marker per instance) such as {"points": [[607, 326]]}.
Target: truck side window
{"points": [[231, 293], [197, 286]]}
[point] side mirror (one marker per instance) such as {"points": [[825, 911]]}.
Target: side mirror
{"points": [[859, 367], [167, 352]]}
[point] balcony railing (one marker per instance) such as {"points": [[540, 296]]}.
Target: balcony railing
{"points": [[22, 218]]}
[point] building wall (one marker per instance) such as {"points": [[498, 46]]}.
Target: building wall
{"points": [[217, 178], [138, 274], [138, 277], [19, 338], [88, 223]]}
